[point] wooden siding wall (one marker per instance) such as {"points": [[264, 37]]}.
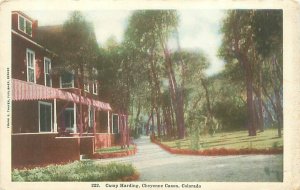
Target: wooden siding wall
{"points": [[30, 150], [87, 145], [106, 140], [19, 64], [42, 149]]}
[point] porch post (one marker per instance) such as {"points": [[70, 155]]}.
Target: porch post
{"points": [[118, 123], [55, 116], [94, 119], [108, 123], [112, 123], [127, 128], [75, 120], [94, 128]]}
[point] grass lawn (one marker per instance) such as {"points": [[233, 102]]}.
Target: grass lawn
{"points": [[77, 171], [114, 149], [230, 140]]}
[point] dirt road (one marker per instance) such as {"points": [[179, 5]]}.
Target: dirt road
{"points": [[155, 164]]}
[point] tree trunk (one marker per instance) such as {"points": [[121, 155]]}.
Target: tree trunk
{"points": [[176, 95], [174, 128], [152, 123], [122, 140], [266, 94], [181, 91], [268, 111], [208, 104], [256, 116], [278, 100], [180, 115], [241, 56], [279, 112], [276, 107], [138, 112], [249, 87], [127, 130], [157, 93], [260, 102], [147, 124], [163, 125], [158, 121], [137, 118], [167, 118], [78, 81]]}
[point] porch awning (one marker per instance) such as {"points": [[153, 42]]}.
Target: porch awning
{"points": [[22, 90]]}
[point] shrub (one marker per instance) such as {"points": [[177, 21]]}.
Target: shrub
{"points": [[231, 114], [178, 143], [77, 171], [275, 144]]}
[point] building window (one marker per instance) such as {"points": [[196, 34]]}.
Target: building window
{"points": [[67, 80], [115, 123], [30, 59], [91, 117], [25, 25], [68, 120], [45, 117], [95, 87], [86, 86], [47, 69]]}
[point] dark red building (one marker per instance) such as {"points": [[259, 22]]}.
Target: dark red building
{"points": [[45, 110]]}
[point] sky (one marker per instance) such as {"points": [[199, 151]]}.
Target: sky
{"points": [[198, 29]]}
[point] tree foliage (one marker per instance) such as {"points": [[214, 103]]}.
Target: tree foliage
{"points": [[80, 49], [78, 53], [252, 47], [170, 90]]}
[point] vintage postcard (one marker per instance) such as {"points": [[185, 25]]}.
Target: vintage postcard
{"points": [[149, 95]]}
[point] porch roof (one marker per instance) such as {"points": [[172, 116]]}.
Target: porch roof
{"points": [[22, 90]]}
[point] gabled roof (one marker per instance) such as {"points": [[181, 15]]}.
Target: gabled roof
{"points": [[24, 15]]}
